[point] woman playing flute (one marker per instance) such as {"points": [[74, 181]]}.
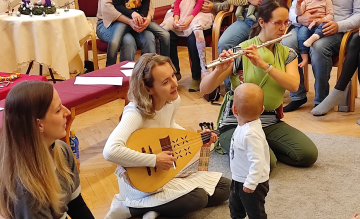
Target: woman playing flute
{"points": [[274, 69]]}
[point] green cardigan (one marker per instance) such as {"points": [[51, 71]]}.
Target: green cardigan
{"points": [[273, 92]]}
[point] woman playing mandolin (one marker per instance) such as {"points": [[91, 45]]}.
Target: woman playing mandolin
{"points": [[275, 69], [154, 101]]}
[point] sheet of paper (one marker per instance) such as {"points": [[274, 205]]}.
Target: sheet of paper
{"points": [[1, 108], [127, 72], [99, 80], [128, 65]]}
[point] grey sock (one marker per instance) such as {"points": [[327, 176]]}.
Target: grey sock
{"points": [[333, 99]]}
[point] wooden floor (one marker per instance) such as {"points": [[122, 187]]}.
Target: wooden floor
{"points": [[98, 182]]}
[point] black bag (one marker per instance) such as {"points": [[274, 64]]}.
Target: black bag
{"points": [[89, 65], [213, 96]]}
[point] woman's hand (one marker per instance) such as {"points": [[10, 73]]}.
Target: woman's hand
{"points": [[213, 138], [225, 65], [136, 27], [137, 18], [147, 21], [207, 6], [252, 54], [164, 160], [308, 17]]}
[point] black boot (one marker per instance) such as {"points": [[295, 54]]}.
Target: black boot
{"points": [[294, 105]]}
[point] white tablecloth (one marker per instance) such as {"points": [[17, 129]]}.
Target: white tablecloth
{"points": [[54, 40]]}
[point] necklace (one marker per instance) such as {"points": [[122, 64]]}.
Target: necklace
{"points": [[11, 77]]}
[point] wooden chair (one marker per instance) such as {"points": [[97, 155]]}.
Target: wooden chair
{"points": [[338, 61], [89, 7]]}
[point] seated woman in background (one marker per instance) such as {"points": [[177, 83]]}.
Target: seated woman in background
{"points": [[351, 63], [111, 24], [154, 103], [39, 177], [274, 69]]}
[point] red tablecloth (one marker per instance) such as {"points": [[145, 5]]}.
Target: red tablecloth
{"points": [[5, 90], [72, 95]]}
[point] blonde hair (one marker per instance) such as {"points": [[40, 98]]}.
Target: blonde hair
{"points": [[24, 158], [141, 79], [249, 100]]}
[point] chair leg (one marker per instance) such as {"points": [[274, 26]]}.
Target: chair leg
{"points": [[356, 82], [40, 70], [29, 68], [306, 77], [86, 51], [95, 60], [353, 93]]}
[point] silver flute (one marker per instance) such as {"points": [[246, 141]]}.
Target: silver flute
{"points": [[241, 52]]}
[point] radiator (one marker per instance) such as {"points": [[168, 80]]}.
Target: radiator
{"points": [[159, 3]]}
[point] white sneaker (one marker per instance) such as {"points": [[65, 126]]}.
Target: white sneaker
{"points": [[118, 209], [151, 215]]}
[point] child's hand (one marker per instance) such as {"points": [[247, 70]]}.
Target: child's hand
{"points": [[186, 23], [137, 18], [319, 21], [176, 21], [146, 22], [355, 216], [247, 190]]}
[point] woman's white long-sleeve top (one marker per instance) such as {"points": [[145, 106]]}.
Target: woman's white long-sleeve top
{"points": [[116, 151]]}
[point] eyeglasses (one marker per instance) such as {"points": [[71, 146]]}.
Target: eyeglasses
{"points": [[280, 24]]}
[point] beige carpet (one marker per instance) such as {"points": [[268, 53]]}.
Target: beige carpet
{"points": [[328, 189]]}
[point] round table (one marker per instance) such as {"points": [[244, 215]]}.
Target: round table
{"points": [[54, 40]]}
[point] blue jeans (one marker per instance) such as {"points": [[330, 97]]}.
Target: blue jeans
{"points": [[121, 37], [304, 34], [235, 34], [321, 53]]}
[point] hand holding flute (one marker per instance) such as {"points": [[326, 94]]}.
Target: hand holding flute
{"points": [[225, 65], [221, 59], [252, 54]]}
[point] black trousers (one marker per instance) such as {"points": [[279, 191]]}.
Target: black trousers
{"points": [[193, 52], [352, 61], [252, 204], [77, 208], [191, 202]]}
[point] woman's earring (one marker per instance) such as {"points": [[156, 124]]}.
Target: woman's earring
{"points": [[41, 130]]}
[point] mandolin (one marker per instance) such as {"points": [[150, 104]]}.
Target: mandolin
{"points": [[184, 145]]}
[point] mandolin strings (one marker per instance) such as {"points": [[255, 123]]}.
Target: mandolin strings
{"points": [[193, 142]]}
